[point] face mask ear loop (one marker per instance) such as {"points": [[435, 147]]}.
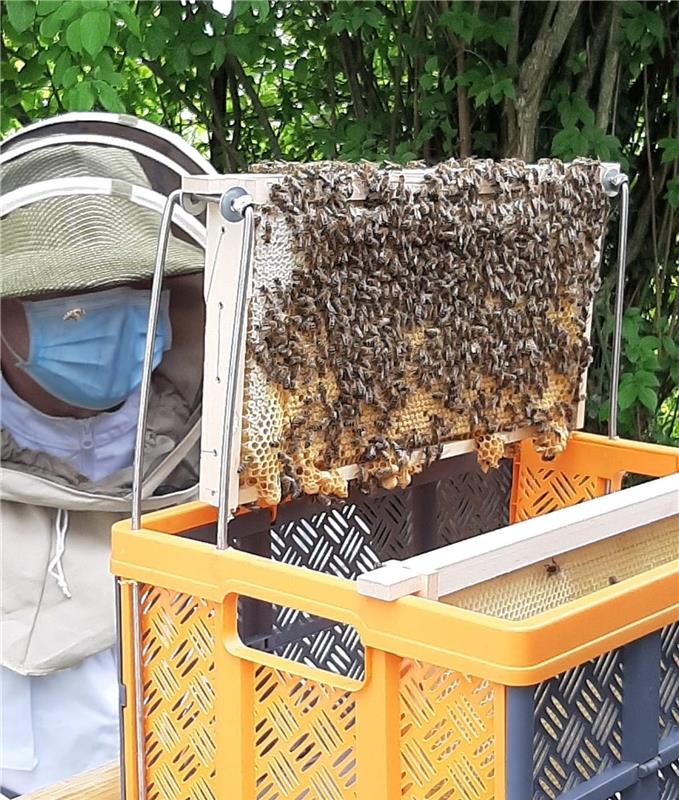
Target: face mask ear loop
{"points": [[19, 360], [56, 568]]}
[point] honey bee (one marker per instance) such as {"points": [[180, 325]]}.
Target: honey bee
{"points": [[74, 314]]}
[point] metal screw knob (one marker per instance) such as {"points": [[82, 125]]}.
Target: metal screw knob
{"points": [[233, 203]]}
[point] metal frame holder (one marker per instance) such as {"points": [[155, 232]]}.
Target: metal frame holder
{"points": [[234, 205], [617, 183]]}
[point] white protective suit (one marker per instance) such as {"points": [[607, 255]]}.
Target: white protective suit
{"points": [[57, 628]]}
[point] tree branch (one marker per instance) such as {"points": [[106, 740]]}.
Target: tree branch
{"points": [[654, 234], [463, 110], [187, 100], [536, 69], [350, 73], [512, 129], [637, 241], [609, 71], [595, 50], [246, 82], [237, 110]]}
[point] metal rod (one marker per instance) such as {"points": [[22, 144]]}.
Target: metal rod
{"points": [[623, 185], [138, 694], [208, 198], [122, 689], [243, 205], [145, 388]]}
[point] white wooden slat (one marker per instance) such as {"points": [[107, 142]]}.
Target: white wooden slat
{"points": [[529, 542]]}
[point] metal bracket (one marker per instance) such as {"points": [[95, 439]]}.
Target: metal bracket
{"points": [[614, 184], [612, 180], [233, 203], [193, 203]]}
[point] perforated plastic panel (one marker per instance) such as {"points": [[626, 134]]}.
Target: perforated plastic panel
{"points": [[178, 640], [350, 538], [447, 734], [543, 490], [305, 738], [669, 782], [669, 680], [577, 725]]}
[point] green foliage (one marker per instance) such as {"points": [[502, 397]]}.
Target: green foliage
{"points": [[400, 80]]}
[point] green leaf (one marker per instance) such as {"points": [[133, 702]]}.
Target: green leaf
{"points": [[567, 113], [648, 398], [95, 27], [569, 143], [461, 22], [32, 72], [130, 19], [674, 373], [50, 26], [480, 98], [109, 98], [432, 64], [73, 36], [630, 326], [201, 46], [649, 343], [301, 70], [21, 14], [670, 147], [48, 6], [654, 23], [338, 23], [634, 29], [627, 395], [583, 110], [260, 8], [503, 88], [503, 31], [218, 55], [427, 81], [643, 378], [156, 37], [672, 193], [577, 62], [670, 347], [60, 66], [79, 97], [649, 363], [373, 18], [70, 77]]}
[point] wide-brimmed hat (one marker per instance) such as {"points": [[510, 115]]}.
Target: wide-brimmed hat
{"points": [[81, 217]]}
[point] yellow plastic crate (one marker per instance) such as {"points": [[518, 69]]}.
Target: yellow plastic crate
{"points": [[479, 695]]}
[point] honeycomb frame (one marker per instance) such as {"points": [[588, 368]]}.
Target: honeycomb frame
{"points": [[305, 428]]}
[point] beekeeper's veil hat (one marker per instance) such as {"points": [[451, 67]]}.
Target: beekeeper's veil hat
{"points": [[79, 213]]}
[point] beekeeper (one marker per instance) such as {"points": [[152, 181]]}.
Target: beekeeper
{"points": [[74, 323]]}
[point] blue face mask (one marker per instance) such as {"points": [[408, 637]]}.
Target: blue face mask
{"points": [[88, 349]]}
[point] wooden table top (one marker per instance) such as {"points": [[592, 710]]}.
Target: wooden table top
{"points": [[102, 783]]}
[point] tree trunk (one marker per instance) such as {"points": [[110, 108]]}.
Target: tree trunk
{"points": [[609, 72], [536, 69]]}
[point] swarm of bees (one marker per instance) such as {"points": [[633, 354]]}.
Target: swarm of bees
{"points": [[390, 316]]}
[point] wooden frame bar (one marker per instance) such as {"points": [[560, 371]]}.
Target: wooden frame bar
{"points": [[476, 560]]}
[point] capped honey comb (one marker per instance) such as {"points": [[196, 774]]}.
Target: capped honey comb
{"points": [[453, 307]]}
